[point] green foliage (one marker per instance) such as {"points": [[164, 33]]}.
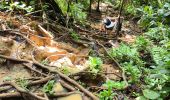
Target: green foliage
{"points": [[5, 5], [48, 87], [130, 9], [45, 62], [7, 78], [63, 5], [76, 10], [141, 43], [155, 19], [116, 85], [95, 64], [158, 54], [23, 83], [74, 35], [153, 15], [108, 94], [65, 70], [125, 53], [159, 34], [150, 94], [133, 71]]}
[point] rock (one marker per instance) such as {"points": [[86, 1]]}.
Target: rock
{"points": [[58, 88], [71, 97]]}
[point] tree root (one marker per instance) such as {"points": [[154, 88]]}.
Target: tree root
{"points": [[18, 94], [22, 91], [63, 76]]}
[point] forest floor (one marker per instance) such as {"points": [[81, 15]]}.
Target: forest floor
{"points": [[30, 57]]}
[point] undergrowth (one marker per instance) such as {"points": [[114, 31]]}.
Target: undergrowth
{"points": [[147, 61]]}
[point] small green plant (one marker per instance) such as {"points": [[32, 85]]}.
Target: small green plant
{"points": [[158, 54], [22, 83], [133, 71], [142, 43], [45, 62], [48, 87], [65, 70], [74, 35], [7, 78], [126, 54], [159, 34], [150, 94], [77, 12], [108, 94], [95, 64]]}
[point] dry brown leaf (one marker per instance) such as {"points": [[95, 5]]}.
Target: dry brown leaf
{"points": [[40, 41]]}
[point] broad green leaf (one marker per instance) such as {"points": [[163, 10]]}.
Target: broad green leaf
{"points": [[141, 98], [150, 94]]}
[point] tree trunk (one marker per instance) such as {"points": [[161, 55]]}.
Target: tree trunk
{"points": [[90, 5], [58, 11], [98, 5]]}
